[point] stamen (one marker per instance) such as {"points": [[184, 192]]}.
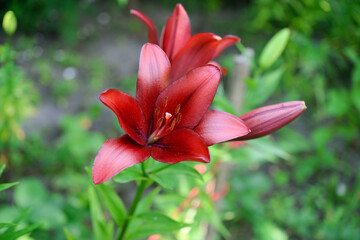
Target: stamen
{"points": [[177, 109], [172, 125], [157, 111], [159, 122], [165, 101], [178, 118]]}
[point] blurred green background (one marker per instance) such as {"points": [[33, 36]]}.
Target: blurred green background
{"points": [[301, 183]]}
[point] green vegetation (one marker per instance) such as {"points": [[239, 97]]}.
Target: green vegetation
{"points": [[301, 183]]}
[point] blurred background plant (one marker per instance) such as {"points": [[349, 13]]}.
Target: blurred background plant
{"points": [[301, 183]]}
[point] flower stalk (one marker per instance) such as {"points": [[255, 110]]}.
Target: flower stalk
{"points": [[137, 198]]}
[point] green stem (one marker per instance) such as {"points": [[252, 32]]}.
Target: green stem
{"points": [[143, 169], [133, 206]]}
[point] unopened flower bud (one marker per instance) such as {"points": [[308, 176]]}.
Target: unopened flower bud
{"points": [[265, 120], [9, 23]]}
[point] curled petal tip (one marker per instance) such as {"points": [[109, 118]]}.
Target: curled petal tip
{"points": [[234, 38], [152, 32]]}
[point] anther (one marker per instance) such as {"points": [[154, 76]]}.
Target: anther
{"points": [[159, 122], [157, 111], [172, 125], [178, 118], [177, 109], [165, 101]]}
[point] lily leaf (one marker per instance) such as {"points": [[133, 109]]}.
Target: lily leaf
{"points": [[154, 223], [265, 87], [101, 230], [168, 177], [180, 168], [2, 168], [113, 203], [4, 225], [7, 185], [68, 234], [274, 48], [163, 182], [146, 202], [129, 174], [221, 102], [213, 216], [15, 235]]}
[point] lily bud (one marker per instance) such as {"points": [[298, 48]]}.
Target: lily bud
{"points": [[9, 23], [265, 120]]}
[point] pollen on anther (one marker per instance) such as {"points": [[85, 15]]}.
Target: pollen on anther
{"points": [[165, 101], [157, 111], [172, 125], [177, 109], [159, 122], [178, 118]]}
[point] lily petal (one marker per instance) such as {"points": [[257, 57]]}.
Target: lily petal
{"points": [[265, 120], [199, 50], [225, 42], [181, 145], [177, 32], [194, 93], [152, 33], [153, 75], [115, 155], [129, 113], [218, 126]]}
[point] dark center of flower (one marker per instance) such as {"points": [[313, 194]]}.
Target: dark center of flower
{"points": [[165, 122]]}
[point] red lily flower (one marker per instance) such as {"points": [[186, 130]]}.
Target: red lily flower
{"points": [[168, 120], [185, 51]]}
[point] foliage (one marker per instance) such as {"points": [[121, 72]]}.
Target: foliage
{"points": [[301, 183]]}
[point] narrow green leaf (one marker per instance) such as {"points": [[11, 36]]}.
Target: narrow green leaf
{"points": [[213, 216], [4, 186], [19, 233], [146, 202], [267, 150], [2, 168], [266, 85], [113, 203], [223, 104], [355, 86], [23, 214], [97, 217], [68, 234], [4, 225], [154, 223], [274, 48]]}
